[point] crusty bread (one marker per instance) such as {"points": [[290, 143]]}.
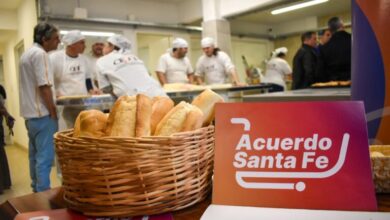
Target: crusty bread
{"points": [[345, 83], [205, 101], [160, 107], [183, 117], [376, 154], [143, 116], [121, 121], [76, 130], [90, 123], [130, 117], [194, 119]]}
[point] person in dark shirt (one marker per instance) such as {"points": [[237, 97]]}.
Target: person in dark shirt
{"points": [[305, 61], [5, 178], [335, 55], [324, 36]]}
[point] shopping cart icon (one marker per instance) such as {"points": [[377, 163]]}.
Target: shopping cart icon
{"points": [[299, 185]]}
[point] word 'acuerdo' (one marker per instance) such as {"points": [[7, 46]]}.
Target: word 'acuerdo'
{"points": [[309, 146]]}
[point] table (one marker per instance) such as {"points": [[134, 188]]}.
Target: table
{"points": [[230, 93], [310, 94], [101, 102], [52, 199]]}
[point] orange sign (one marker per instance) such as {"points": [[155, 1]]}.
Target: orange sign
{"points": [[293, 155]]}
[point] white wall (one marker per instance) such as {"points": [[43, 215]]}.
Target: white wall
{"points": [[26, 20], [8, 19], [151, 47], [8, 24], [243, 28], [254, 50]]}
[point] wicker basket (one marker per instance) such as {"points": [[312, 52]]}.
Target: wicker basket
{"points": [[117, 177], [381, 168]]}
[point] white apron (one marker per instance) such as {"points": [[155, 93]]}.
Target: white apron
{"points": [[73, 77]]}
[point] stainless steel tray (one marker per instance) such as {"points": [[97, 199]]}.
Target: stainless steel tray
{"points": [[91, 100]]}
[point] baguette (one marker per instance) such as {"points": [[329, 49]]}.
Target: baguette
{"points": [[143, 116], [130, 117], [183, 117], [205, 101], [76, 130], [90, 123], [160, 107], [194, 119]]}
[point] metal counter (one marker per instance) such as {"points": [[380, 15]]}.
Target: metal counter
{"points": [[230, 93], [310, 94], [101, 102]]}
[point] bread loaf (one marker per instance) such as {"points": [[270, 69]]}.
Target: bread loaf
{"points": [[130, 117], [143, 116], [76, 130], [205, 101], [193, 120], [90, 123], [183, 117], [376, 154], [160, 107]]}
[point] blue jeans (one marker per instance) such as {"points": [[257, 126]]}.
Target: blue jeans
{"points": [[41, 150]]}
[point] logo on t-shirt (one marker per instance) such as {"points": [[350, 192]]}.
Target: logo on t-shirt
{"points": [[75, 69]]}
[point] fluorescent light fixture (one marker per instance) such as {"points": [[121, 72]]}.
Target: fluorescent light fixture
{"points": [[92, 33], [297, 6]]}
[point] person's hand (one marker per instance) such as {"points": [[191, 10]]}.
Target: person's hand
{"points": [[53, 114], [239, 84], [10, 121], [95, 92]]}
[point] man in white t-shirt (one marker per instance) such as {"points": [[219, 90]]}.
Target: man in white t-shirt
{"points": [[37, 104], [278, 70], [72, 73], [214, 66], [96, 53], [174, 66], [122, 73]]}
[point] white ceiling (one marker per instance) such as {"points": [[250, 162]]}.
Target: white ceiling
{"points": [[9, 4], [265, 17]]}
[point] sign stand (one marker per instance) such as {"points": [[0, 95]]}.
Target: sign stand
{"points": [[292, 158]]}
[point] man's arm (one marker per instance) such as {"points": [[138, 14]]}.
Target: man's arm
{"points": [[90, 88], [235, 80], [47, 96], [199, 80], [88, 84], [109, 89], [190, 78], [161, 78], [229, 67]]}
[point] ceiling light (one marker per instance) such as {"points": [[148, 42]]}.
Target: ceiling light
{"points": [[297, 6], [92, 33]]}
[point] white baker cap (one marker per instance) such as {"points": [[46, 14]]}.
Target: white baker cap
{"points": [[207, 42], [72, 37], [120, 41], [179, 43], [281, 50], [278, 51]]}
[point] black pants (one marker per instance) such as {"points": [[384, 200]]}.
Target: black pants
{"points": [[5, 178]]}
